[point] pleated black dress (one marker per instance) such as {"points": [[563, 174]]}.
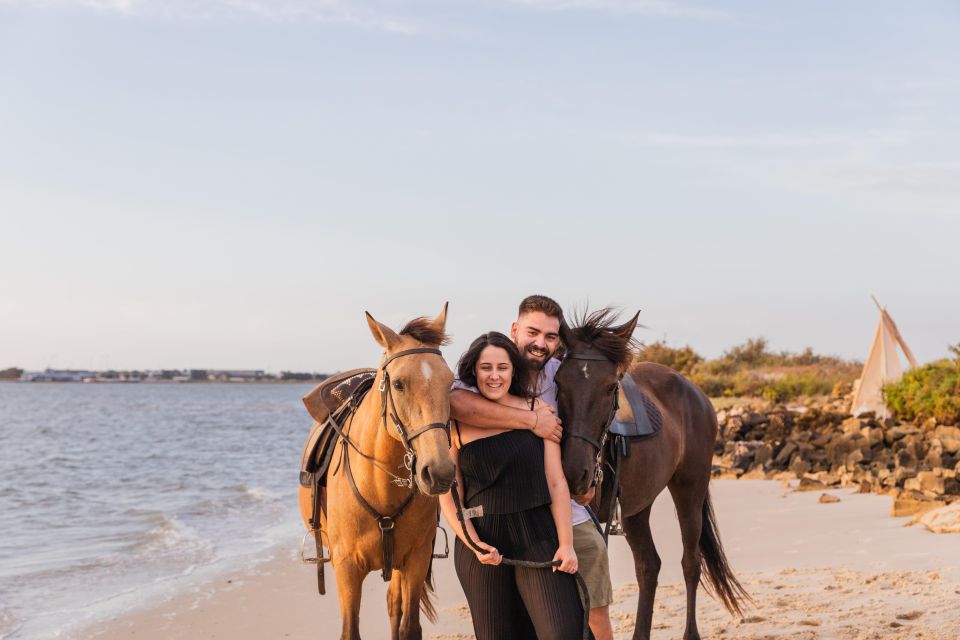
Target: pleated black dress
{"points": [[504, 475]]}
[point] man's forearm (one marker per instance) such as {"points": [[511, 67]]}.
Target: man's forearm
{"points": [[473, 409]]}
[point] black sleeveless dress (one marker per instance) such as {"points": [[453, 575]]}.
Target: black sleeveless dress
{"points": [[504, 474]]}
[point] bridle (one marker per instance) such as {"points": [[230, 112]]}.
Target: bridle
{"points": [[615, 406], [386, 396]]}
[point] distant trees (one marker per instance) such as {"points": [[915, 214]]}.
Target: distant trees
{"points": [[11, 373]]}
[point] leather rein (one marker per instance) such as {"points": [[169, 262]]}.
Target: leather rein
{"points": [[388, 522]]}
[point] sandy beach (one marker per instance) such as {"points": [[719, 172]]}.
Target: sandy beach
{"points": [[816, 571]]}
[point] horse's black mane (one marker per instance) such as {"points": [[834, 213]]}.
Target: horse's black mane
{"points": [[597, 329], [422, 329]]}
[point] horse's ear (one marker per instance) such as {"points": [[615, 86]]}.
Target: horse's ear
{"points": [[384, 335], [626, 330], [566, 334], [440, 322]]}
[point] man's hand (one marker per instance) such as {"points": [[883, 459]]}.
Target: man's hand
{"points": [[586, 498], [547, 424]]}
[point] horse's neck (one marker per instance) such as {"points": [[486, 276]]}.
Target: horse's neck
{"points": [[370, 434]]}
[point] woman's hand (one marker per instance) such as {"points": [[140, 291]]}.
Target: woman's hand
{"points": [[492, 556], [568, 559]]}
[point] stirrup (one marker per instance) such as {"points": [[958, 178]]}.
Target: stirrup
{"points": [[616, 524], [303, 553], [446, 545]]}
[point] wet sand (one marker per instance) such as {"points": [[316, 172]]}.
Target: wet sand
{"points": [[816, 571]]}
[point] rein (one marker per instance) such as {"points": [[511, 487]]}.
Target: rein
{"points": [[388, 522], [531, 564]]}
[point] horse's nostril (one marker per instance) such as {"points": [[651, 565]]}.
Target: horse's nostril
{"points": [[425, 476]]}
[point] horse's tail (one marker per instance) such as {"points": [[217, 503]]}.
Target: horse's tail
{"points": [[718, 578], [426, 598]]}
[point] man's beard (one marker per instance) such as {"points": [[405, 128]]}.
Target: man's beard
{"points": [[535, 361]]}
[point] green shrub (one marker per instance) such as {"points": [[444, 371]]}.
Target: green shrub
{"points": [[682, 359], [751, 369], [930, 391]]}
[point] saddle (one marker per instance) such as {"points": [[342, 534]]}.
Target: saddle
{"points": [[646, 420], [331, 401], [335, 398]]}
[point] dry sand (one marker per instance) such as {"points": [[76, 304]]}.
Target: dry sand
{"points": [[816, 571]]}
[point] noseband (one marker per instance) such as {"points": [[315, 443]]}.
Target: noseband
{"points": [[386, 396], [598, 445]]}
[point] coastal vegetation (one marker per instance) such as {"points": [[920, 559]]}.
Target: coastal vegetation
{"points": [[752, 369], [929, 391]]}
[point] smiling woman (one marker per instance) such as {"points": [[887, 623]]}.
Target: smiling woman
{"points": [[518, 505], [479, 362]]}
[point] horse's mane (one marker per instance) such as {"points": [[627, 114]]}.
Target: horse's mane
{"points": [[598, 330], [422, 329]]}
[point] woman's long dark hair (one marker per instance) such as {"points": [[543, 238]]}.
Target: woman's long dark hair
{"points": [[520, 384]]}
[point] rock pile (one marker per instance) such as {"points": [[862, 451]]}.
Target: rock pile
{"points": [[823, 447]]}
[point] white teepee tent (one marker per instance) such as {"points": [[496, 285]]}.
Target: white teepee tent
{"points": [[882, 366]]}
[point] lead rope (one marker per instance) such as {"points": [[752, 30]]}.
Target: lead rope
{"points": [[581, 585]]}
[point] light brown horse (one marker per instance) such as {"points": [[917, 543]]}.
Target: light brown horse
{"points": [[678, 458], [417, 389]]}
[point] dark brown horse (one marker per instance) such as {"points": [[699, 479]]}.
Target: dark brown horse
{"points": [[678, 458]]}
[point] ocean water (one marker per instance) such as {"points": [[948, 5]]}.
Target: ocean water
{"points": [[117, 496]]}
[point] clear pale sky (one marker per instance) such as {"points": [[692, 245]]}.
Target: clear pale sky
{"points": [[231, 183]]}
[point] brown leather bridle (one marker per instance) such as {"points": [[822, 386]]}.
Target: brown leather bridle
{"points": [[386, 396], [605, 431]]}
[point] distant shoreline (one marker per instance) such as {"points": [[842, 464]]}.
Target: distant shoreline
{"points": [[158, 382]]}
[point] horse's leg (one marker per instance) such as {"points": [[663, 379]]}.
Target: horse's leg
{"points": [[688, 498], [349, 582], [636, 528], [395, 604], [414, 578]]}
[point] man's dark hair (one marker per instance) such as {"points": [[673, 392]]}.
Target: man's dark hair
{"points": [[520, 384], [543, 304]]}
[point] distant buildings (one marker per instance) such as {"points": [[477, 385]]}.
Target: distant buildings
{"points": [[242, 375], [51, 375], [165, 375]]}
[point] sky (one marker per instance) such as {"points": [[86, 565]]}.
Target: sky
{"points": [[232, 183]]}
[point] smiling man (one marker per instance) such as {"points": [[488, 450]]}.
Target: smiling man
{"points": [[537, 333]]}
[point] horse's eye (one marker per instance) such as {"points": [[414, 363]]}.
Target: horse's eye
{"points": [[398, 385]]}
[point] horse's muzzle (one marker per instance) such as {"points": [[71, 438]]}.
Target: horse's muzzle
{"points": [[435, 478]]}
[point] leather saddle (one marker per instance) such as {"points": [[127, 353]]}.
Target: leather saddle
{"points": [[333, 399], [645, 419]]}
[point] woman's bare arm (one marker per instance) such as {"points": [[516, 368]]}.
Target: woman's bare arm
{"points": [[449, 510], [560, 506]]}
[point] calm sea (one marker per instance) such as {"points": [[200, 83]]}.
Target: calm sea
{"points": [[116, 496]]}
